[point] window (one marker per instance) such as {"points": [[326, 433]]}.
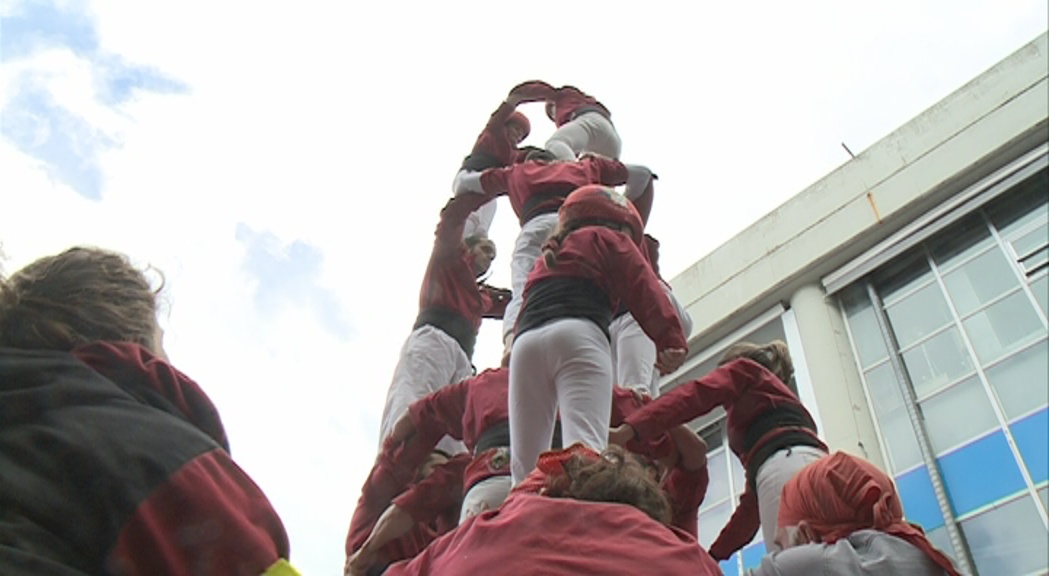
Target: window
{"points": [[966, 309]]}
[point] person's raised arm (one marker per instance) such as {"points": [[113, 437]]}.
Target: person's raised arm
{"points": [[692, 399]]}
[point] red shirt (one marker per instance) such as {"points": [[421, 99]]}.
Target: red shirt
{"points": [[493, 140], [614, 264], [747, 391], [568, 100], [533, 534], [432, 502], [450, 281], [464, 411], [536, 185]]}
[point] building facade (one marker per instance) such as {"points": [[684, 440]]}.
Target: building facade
{"points": [[910, 285]]}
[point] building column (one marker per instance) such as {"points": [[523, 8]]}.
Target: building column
{"points": [[843, 408]]}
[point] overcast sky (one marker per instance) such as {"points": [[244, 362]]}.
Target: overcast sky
{"points": [[284, 165]]}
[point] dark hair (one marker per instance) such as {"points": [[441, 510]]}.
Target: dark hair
{"points": [[79, 296], [774, 356], [540, 155], [617, 476], [475, 239]]}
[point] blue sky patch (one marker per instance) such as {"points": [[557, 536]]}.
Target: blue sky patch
{"points": [[68, 145], [287, 275]]}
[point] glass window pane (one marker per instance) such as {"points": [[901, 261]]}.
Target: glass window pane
{"points": [[902, 276], [942, 542], [1040, 288], [946, 430], [937, 362], [1008, 539], [712, 521], [980, 280], [863, 325], [1003, 327], [895, 427], [963, 239], [1036, 261], [718, 488], [739, 477], [1022, 381], [1031, 241], [1020, 207], [918, 315]]}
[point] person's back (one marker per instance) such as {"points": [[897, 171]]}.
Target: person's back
{"points": [[111, 460], [863, 553], [842, 515]]}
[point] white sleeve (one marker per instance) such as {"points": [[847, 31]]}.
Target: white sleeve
{"points": [[468, 182], [682, 314], [637, 180]]}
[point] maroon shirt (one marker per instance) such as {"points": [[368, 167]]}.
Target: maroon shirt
{"points": [[464, 411], [615, 265], [533, 534], [450, 282], [208, 495], [747, 391], [685, 488], [535, 187], [569, 100], [493, 140], [433, 503]]}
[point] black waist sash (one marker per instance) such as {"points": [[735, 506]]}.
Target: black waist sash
{"points": [[451, 323]]}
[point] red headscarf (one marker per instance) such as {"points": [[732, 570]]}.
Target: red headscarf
{"points": [[840, 494]]}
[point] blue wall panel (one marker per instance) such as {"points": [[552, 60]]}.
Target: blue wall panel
{"points": [[1032, 437], [980, 473], [919, 500]]}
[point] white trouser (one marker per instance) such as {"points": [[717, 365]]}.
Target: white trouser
{"points": [[488, 494], [772, 475], [562, 365], [589, 132], [633, 355], [479, 220], [430, 360], [527, 249]]}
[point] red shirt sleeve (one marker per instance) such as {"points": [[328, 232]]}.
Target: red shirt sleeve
{"points": [[498, 298], [687, 488], [441, 413], [610, 172], [639, 288], [694, 398], [496, 181], [453, 221], [209, 518], [385, 481], [438, 492], [740, 528], [127, 362]]}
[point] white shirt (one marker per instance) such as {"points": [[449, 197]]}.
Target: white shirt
{"points": [[864, 552]]}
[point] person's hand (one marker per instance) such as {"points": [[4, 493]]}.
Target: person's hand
{"points": [[531, 91], [403, 429], [358, 563], [670, 359], [621, 434]]}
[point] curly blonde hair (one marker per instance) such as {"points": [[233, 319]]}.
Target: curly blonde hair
{"points": [[79, 296], [617, 476], [774, 356]]}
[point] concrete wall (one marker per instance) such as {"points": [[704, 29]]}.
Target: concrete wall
{"points": [[970, 133], [868, 198]]}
